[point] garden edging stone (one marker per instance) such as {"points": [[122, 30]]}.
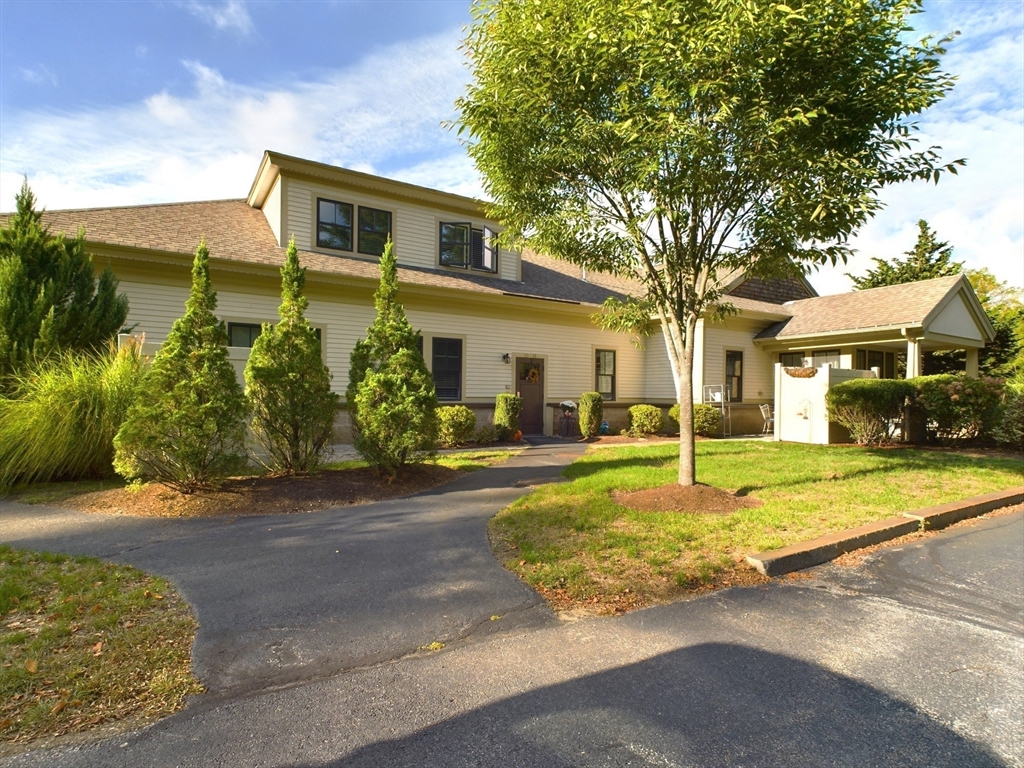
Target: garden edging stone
{"points": [[820, 550]]}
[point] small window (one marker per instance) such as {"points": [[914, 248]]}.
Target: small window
{"points": [[243, 334], [734, 376], [374, 230], [447, 368], [455, 244], [828, 357], [604, 381], [333, 225], [791, 359]]}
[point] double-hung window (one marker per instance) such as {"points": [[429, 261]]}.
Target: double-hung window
{"points": [[243, 334], [734, 376], [460, 245], [604, 381], [333, 225], [875, 358], [791, 359], [374, 230], [446, 366]]}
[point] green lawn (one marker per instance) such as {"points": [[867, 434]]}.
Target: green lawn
{"points": [[578, 547], [84, 642]]}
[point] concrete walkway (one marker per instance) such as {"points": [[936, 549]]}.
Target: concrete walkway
{"points": [[286, 598]]}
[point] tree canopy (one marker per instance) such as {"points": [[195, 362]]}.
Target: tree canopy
{"points": [[929, 258], [50, 297], [675, 141]]}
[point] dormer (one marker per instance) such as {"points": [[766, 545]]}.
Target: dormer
{"points": [[348, 214]]}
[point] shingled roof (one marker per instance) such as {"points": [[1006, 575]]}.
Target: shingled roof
{"points": [[234, 231], [893, 305]]}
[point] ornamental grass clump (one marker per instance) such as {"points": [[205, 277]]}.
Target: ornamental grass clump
{"points": [[288, 386], [63, 413], [871, 409], [186, 429], [390, 395], [591, 413]]}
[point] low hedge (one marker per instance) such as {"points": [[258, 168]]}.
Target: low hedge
{"points": [[455, 425], [957, 406], [707, 419], [507, 408], [1010, 429], [590, 413], [645, 420], [869, 408]]}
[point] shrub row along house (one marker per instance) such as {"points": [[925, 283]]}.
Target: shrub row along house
{"points": [[494, 320]]}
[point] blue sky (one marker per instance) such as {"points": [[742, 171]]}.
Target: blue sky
{"points": [[119, 103]]}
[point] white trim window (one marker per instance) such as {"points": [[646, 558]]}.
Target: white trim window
{"points": [[462, 246]]}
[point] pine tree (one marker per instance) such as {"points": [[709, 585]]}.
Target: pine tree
{"points": [[288, 387], [390, 396], [929, 258], [186, 429], [50, 297]]}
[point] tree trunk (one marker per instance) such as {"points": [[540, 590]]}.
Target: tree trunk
{"points": [[684, 378]]}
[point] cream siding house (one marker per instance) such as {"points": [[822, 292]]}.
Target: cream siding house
{"points": [[492, 320]]}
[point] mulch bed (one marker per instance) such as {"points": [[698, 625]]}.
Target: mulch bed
{"points": [[266, 495], [699, 499]]}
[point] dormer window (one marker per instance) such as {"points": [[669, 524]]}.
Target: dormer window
{"points": [[374, 230], [463, 246], [334, 225]]}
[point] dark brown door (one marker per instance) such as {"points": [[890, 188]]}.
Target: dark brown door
{"points": [[530, 387]]}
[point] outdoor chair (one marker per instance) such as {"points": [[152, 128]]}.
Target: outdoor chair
{"points": [[769, 419]]}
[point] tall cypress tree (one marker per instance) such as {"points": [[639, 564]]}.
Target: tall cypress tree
{"points": [[186, 428], [50, 297], [288, 387], [390, 395]]}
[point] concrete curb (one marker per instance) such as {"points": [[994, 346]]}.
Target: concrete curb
{"points": [[817, 551]]}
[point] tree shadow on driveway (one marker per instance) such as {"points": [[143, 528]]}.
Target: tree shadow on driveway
{"points": [[714, 704]]}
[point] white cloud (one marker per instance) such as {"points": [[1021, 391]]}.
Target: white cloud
{"points": [[41, 75], [230, 15], [382, 114], [980, 212]]}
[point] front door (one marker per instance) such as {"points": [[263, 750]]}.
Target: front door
{"points": [[530, 387]]}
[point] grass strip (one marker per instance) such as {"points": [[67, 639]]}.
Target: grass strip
{"points": [[579, 548], [85, 642]]}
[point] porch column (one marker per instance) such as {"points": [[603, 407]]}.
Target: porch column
{"points": [[913, 357], [972, 362]]}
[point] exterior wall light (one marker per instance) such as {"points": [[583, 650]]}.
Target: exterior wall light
{"points": [[506, 359]]}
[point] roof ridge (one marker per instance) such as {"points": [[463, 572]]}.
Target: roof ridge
{"points": [[134, 207], [864, 291]]}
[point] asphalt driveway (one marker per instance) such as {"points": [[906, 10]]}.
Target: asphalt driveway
{"points": [[286, 598], [914, 658]]}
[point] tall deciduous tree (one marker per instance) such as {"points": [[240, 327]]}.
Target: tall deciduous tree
{"points": [[50, 297], [288, 386], [674, 141], [929, 258], [391, 397], [186, 428]]}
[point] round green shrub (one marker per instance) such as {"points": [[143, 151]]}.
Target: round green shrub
{"points": [[645, 420], [591, 413], [706, 419], [870, 408], [1010, 429], [455, 425], [507, 408], [486, 435], [957, 406]]}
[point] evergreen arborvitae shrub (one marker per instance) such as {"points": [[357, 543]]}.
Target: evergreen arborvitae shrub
{"points": [[591, 413], [60, 421], [186, 428], [645, 420], [507, 408], [50, 298], [869, 408], [288, 386], [455, 425], [390, 396]]}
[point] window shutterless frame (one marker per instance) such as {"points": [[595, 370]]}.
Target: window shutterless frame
{"points": [[604, 373], [374, 230], [333, 224], [243, 334], [446, 367], [734, 375]]}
